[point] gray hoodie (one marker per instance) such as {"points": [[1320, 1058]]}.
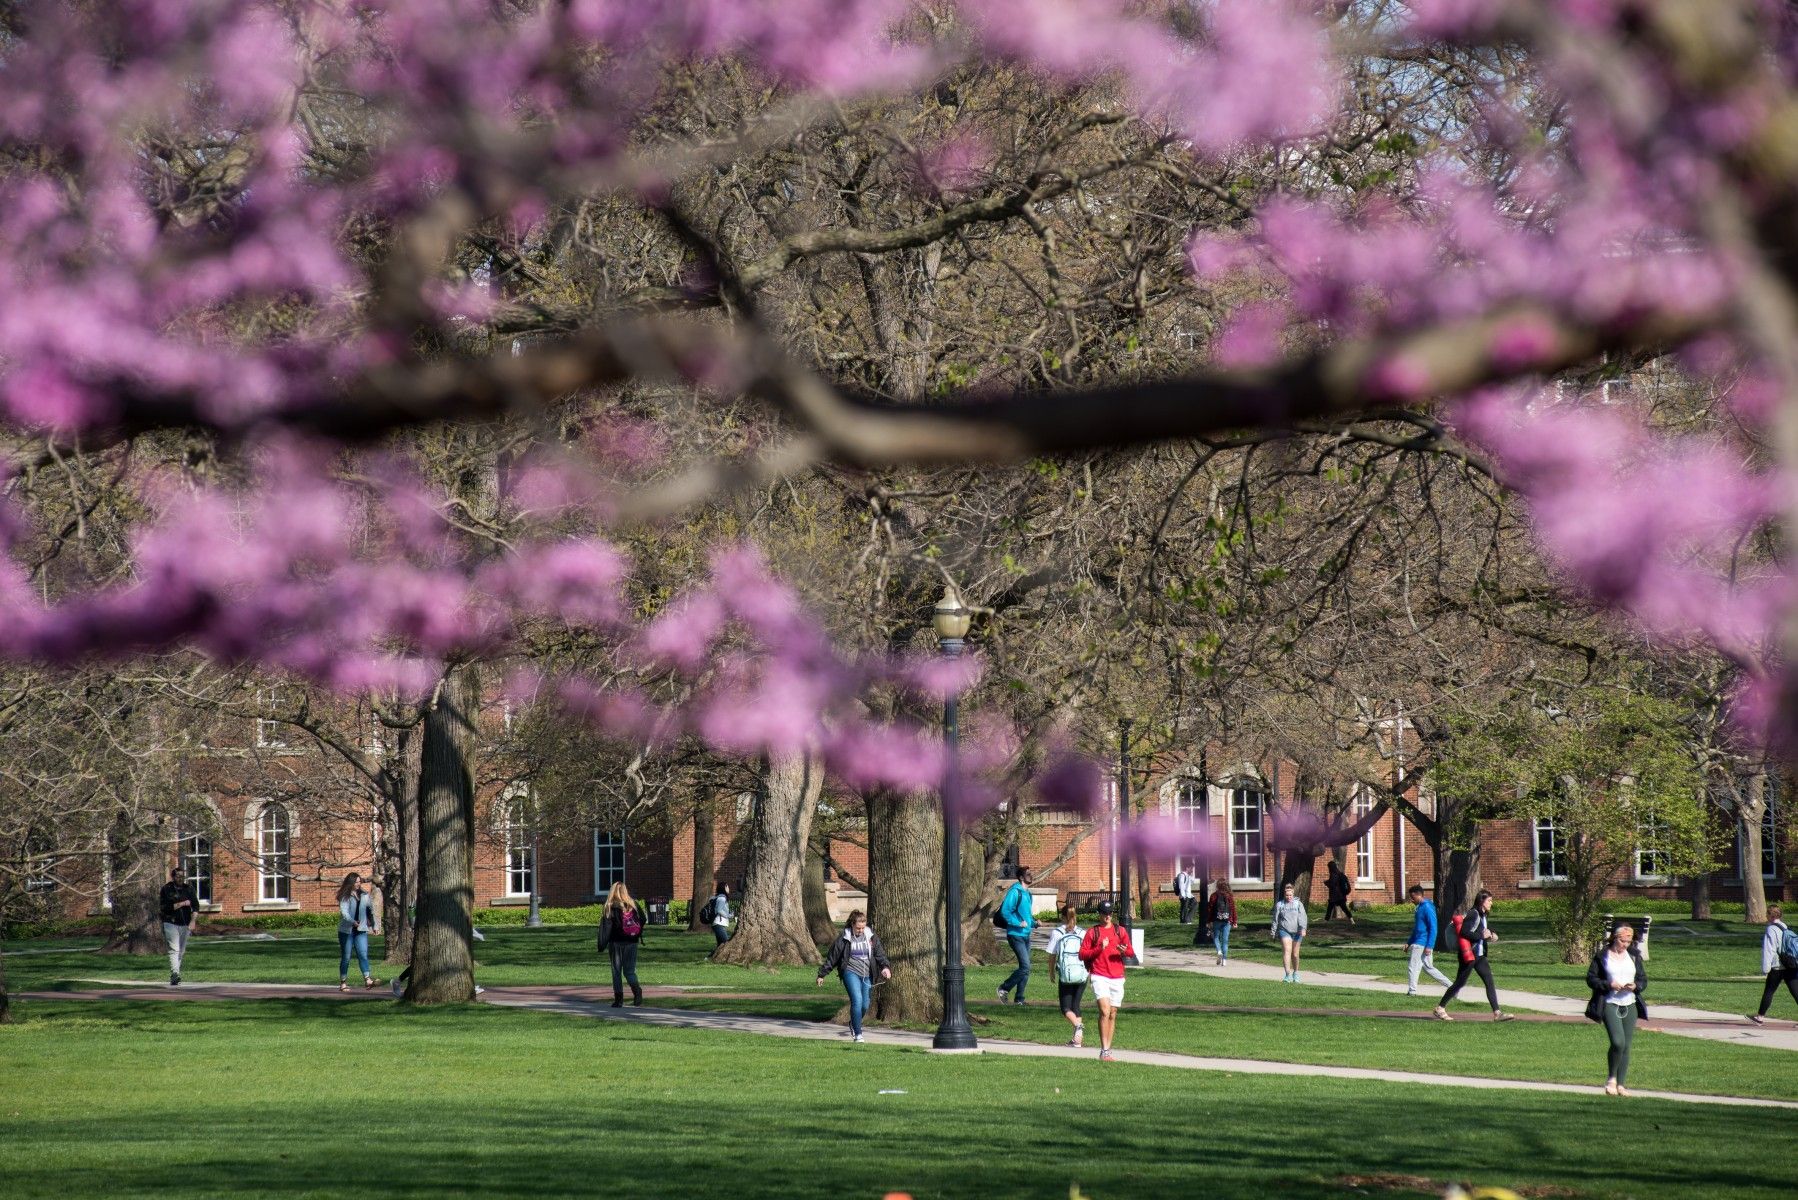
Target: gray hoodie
{"points": [[1289, 917]]}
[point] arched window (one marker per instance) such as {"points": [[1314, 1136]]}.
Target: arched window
{"points": [[274, 854], [515, 827]]}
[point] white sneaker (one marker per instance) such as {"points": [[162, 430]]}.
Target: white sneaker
{"points": [[1079, 1036], [1001, 995], [858, 1038]]}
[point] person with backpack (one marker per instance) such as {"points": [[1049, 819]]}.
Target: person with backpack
{"points": [[1290, 926], [1070, 973], [716, 912], [179, 908], [1016, 919], [1617, 979], [620, 933], [1183, 889], [1103, 951], [1422, 946], [1338, 887], [355, 920], [855, 957], [1779, 959], [1474, 930], [1223, 919]]}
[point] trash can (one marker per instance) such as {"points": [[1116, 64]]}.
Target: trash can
{"points": [[658, 912]]}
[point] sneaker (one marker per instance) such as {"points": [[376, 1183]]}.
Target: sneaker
{"points": [[1219, 962], [1441, 1014], [1105, 1056], [1019, 1002], [1503, 1016], [618, 1003], [1757, 1018], [858, 1038], [1295, 976], [174, 979], [1079, 1036], [1004, 997], [1410, 991]]}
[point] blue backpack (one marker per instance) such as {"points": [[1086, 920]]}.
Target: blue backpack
{"points": [[1788, 951]]}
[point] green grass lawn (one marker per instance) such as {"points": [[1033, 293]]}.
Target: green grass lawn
{"points": [[1571, 1053], [1700, 964], [308, 1098]]}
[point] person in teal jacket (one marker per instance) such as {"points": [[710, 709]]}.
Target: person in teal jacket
{"points": [[1014, 910]]}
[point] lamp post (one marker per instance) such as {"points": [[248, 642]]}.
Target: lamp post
{"points": [[951, 620], [535, 919], [1123, 818]]}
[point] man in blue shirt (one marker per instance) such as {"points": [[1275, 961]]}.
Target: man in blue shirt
{"points": [[1014, 910], [1423, 940]]}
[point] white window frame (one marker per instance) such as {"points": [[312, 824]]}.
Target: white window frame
{"points": [[1556, 849], [1240, 807], [43, 878], [1364, 864], [515, 832], [1769, 845], [745, 807], [1652, 862], [608, 860], [1192, 805], [192, 856], [274, 856], [268, 733]]}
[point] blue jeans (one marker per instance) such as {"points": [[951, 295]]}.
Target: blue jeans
{"points": [[1020, 978], [1220, 937], [347, 942], [860, 987]]}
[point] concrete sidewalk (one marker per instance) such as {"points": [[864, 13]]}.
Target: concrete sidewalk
{"points": [[1666, 1018]]}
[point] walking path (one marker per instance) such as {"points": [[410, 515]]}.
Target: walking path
{"points": [[1667, 1018], [595, 1002]]}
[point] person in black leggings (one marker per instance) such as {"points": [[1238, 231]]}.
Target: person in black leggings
{"points": [[1476, 931], [1777, 971]]}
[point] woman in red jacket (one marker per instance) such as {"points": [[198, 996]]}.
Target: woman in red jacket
{"points": [[1104, 950]]}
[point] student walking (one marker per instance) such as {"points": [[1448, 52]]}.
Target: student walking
{"points": [[1290, 925], [1223, 919], [1070, 973], [1015, 914], [1617, 979], [856, 956], [355, 921], [180, 911], [1422, 947], [1475, 932], [1104, 950], [1779, 959], [717, 913], [620, 932], [1183, 889], [1338, 887]]}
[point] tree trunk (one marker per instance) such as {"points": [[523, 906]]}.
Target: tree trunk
{"points": [[401, 903], [442, 943], [1701, 897], [905, 903], [1754, 887], [705, 885], [139, 868], [1297, 867], [817, 900], [772, 928], [5, 1004], [1457, 881]]}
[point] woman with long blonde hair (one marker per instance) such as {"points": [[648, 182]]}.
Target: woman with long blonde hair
{"points": [[620, 931]]}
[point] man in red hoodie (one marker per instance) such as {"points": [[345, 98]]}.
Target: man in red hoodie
{"points": [[1104, 950]]}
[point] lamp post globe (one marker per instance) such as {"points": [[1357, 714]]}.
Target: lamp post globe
{"points": [[950, 618]]}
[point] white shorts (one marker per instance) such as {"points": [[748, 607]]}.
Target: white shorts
{"points": [[1109, 990]]}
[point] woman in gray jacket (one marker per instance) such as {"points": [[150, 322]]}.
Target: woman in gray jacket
{"points": [[1290, 926], [355, 921]]}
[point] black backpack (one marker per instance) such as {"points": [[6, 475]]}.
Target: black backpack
{"points": [[708, 913]]}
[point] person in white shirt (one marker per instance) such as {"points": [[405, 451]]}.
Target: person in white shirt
{"points": [[1070, 973], [1777, 970], [1617, 979], [1183, 888]]}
